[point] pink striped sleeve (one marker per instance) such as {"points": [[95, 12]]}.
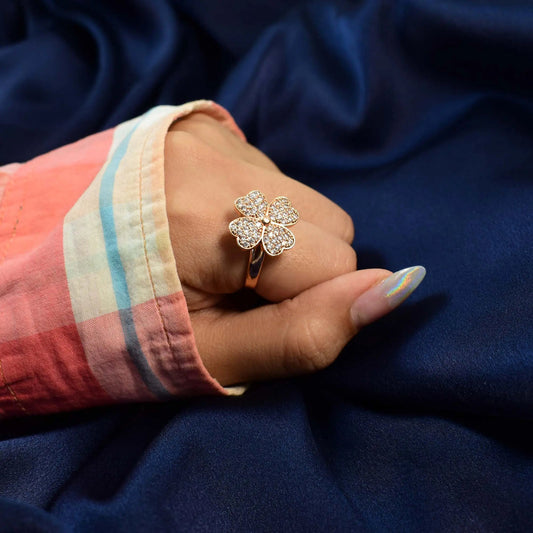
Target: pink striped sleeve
{"points": [[91, 307]]}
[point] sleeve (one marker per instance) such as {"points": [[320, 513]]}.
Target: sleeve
{"points": [[91, 307]]}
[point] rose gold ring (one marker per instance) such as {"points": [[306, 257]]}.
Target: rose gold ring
{"points": [[262, 229]]}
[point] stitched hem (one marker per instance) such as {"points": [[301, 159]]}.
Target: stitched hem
{"points": [[189, 375]]}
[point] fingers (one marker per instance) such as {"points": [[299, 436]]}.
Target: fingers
{"points": [[209, 258], [203, 152], [302, 334], [207, 255], [312, 206], [316, 257]]}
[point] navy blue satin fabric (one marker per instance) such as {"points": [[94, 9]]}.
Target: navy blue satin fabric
{"points": [[417, 117]]}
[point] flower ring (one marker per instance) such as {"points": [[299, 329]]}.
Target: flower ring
{"points": [[262, 229]]}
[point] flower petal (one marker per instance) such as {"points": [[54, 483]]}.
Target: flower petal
{"points": [[254, 204], [282, 212], [277, 238], [248, 231]]}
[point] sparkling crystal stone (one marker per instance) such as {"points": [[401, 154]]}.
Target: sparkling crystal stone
{"points": [[248, 231], [264, 222], [254, 204], [277, 238], [282, 212]]}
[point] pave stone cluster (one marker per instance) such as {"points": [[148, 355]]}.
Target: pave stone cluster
{"points": [[248, 231], [276, 239], [254, 204], [282, 212], [264, 222]]}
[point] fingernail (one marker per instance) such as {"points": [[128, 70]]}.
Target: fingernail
{"points": [[398, 286], [386, 295]]}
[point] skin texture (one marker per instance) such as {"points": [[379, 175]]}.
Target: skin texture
{"points": [[298, 319]]}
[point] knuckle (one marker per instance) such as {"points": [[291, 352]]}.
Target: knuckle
{"points": [[258, 158], [195, 155], [348, 232], [305, 347], [194, 123], [352, 259], [200, 126], [181, 141], [345, 260]]}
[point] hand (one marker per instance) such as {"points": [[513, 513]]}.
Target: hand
{"points": [[311, 300]]}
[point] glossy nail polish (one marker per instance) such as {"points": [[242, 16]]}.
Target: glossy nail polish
{"points": [[386, 295], [398, 286]]}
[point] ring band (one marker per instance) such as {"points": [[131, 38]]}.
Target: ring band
{"points": [[255, 264], [262, 229]]}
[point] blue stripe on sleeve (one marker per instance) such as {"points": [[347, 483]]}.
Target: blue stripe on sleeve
{"points": [[118, 275]]}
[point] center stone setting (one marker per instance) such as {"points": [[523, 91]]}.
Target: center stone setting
{"points": [[266, 220]]}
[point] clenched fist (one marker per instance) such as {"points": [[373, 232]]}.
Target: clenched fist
{"points": [[309, 302]]}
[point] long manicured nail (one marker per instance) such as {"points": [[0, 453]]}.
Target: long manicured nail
{"points": [[386, 295], [398, 286]]}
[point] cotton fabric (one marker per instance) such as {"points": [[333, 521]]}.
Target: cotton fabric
{"points": [[416, 117], [91, 307]]}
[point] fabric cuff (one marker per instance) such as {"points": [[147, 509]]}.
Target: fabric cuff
{"points": [[133, 306]]}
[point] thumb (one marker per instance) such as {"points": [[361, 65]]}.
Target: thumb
{"points": [[301, 334]]}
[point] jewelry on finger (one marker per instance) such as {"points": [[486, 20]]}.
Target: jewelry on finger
{"points": [[262, 229]]}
